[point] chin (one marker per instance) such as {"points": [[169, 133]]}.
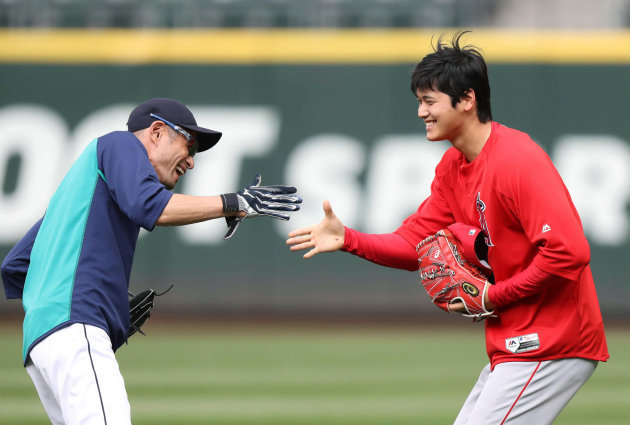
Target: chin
{"points": [[435, 137], [169, 185]]}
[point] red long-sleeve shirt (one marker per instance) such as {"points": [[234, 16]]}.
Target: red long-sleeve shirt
{"points": [[547, 306]]}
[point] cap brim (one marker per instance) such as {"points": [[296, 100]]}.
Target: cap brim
{"points": [[471, 244], [207, 138]]}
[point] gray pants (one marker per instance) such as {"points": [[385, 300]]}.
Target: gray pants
{"points": [[524, 393]]}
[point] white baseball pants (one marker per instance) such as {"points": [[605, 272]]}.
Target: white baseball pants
{"points": [[78, 379], [524, 393]]}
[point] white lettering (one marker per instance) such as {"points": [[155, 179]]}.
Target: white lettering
{"points": [[37, 135], [97, 124], [400, 174], [326, 166], [247, 132], [596, 170]]}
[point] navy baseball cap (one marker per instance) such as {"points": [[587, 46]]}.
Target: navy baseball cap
{"points": [[175, 112]]}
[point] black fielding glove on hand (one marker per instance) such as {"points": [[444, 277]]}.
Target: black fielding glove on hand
{"points": [[140, 307], [257, 200]]}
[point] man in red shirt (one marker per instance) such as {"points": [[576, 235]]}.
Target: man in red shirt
{"points": [[548, 336]]}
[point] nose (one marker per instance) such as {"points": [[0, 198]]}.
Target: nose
{"points": [[422, 111], [190, 161]]}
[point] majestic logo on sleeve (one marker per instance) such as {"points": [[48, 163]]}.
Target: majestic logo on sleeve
{"points": [[481, 208]]}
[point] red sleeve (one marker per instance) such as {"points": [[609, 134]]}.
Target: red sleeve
{"points": [[389, 249], [530, 281], [544, 207]]}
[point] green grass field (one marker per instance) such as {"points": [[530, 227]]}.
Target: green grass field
{"points": [[239, 374]]}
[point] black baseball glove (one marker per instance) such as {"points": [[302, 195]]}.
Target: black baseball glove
{"points": [[140, 309]]}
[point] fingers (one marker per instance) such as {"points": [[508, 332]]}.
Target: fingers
{"points": [[306, 245], [300, 242], [256, 181], [302, 246], [328, 210], [277, 188], [293, 199], [233, 224], [300, 239], [275, 197], [457, 307], [276, 215], [310, 253], [299, 232], [271, 208]]}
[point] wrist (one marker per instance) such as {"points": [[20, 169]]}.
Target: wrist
{"points": [[231, 204], [349, 239], [487, 301]]}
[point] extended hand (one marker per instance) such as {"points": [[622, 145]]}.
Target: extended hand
{"points": [[256, 200], [325, 236]]}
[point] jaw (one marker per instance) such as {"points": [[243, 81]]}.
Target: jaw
{"points": [[432, 130], [168, 179]]}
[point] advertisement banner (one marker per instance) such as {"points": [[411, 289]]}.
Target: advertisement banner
{"points": [[346, 132]]}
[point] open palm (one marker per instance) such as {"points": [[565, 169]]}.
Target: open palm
{"points": [[325, 236]]}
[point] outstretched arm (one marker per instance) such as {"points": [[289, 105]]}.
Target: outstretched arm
{"points": [[390, 249], [187, 209], [252, 201]]}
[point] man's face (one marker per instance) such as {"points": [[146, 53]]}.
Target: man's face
{"points": [[171, 158], [443, 122]]}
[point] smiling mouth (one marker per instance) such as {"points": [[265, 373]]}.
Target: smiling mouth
{"points": [[180, 170], [429, 124]]}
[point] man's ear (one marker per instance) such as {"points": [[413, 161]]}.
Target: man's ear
{"points": [[469, 100], [156, 132]]}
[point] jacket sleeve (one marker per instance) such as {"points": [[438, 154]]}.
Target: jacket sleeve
{"points": [[16, 263], [389, 249], [548, 217], [131, 179]]}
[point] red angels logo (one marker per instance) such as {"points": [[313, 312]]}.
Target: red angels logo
{"points": [[481, 208]]}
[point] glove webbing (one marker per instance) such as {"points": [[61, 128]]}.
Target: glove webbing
{"points": [[143, 305]]}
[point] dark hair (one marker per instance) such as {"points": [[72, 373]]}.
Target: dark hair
{"points": [[454, 70]]}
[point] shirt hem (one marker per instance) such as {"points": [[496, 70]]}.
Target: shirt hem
{"points": [[508, 359], [55, 329]]}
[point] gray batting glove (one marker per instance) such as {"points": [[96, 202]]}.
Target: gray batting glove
{"points": [[257, 200]]}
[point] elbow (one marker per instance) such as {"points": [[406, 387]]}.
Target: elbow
{"points": [[581, 253], [161, 221], [4, 270], [566, 259], [578, 257], [582, 256], [165, 220]]}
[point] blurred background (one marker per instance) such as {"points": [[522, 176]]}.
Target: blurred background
{"points": [[315, 94], [312, 93]]}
